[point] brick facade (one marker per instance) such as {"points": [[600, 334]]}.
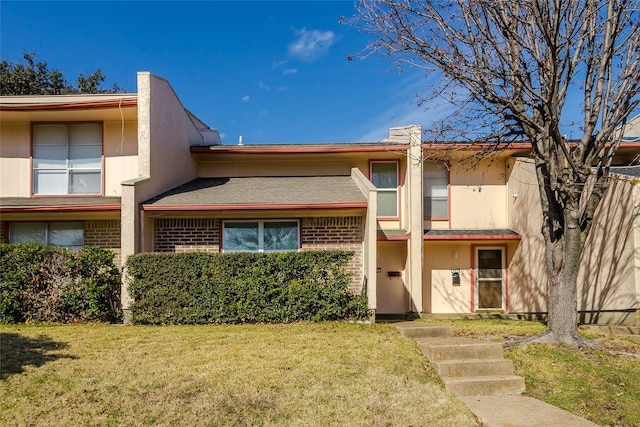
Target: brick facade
{"points": [[203, 234], [344, 233], [186, 235], [104, 233]]}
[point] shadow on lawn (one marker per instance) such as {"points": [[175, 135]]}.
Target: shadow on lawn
{"points": [[18, 351]]}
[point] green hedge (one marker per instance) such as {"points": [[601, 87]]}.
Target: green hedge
{"points": [[206, 288], [40, 283]]}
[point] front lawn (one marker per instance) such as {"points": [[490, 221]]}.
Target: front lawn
{"points": [[601, 384], [332, 374]]}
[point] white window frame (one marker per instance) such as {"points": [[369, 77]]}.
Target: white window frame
{"points": [[426, 184], [47, 231], [260, 224], [387, 190], [68, 169]]}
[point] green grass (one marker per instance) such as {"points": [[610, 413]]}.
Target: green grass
{"points": [[600, 384], [330, 374]]}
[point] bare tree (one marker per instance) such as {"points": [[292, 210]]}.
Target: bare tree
{"points": [[513, 69]]}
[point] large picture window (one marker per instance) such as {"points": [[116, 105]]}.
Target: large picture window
{"points": [[384, 176], [260, 236], [69, 234], [67, 158], [436, 190]]}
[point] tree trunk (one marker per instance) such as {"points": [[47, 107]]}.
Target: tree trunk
{"points": [[563, 230], [564, 256]]}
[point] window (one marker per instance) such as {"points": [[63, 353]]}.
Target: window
{"points": [[384, 176], [260, 236], [69, 234], [436, 190], [67, 158]]}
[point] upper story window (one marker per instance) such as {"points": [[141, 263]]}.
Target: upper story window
{"points": [[384, 176], [260, 236], [67, 158], [69, 234], [436, 190]]}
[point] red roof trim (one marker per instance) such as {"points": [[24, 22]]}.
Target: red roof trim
{"points": [[72, 105], [475, 147], [244, 207], [501, 147], [296, 149], [473, 237], [61, 208]]}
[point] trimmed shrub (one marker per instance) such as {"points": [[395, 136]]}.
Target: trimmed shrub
{"points": [[40, 283], [205, 288]]}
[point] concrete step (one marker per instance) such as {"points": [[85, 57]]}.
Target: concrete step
{"points": [[485, 385], [474, 367], [423, 330], [440, 349]]}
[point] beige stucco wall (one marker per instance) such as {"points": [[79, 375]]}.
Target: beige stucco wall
{"points": [[15, 164], [119, 152], [478, 195], [165, 133], [441, 295], [120, 155], [608, 276]]}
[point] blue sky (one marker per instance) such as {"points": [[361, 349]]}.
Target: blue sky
{"points": [[273, 72]]}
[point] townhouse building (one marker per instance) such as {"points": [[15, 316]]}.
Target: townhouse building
{"points": [[434, 228]]}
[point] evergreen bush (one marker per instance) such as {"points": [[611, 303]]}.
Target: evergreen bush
{"points": [[40, 283], [206, 288]]}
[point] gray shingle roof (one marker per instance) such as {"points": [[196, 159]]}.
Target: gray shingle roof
{"points": [[488, 234], [261, 191], [626, 170], [26, 203]]}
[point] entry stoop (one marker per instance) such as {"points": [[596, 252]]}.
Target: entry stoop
{"points": [[472, 367], [466, 366], [423, 330]]}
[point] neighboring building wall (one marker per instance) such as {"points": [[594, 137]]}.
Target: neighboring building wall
{"points": [[345, 233], [606, 281], [104, 233], [186, 235]]}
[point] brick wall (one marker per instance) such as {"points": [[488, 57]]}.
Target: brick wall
{"points": [[104, 233], [203, 234], [186, 235], [344, 233]]}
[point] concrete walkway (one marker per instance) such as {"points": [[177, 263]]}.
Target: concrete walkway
{"points": [[492, 408], [520, 411]]}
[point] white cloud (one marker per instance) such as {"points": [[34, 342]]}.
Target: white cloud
{"points": [[311, 44], [263, 85], [246, 98], [290, 71], [278, 64]]}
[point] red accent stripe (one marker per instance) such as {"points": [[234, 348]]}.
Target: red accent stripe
{"points": [[64, 208], [159, 208], [294, 149], [72, 105]]}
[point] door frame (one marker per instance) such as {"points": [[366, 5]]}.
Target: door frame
{"points": [[474, 279]]}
